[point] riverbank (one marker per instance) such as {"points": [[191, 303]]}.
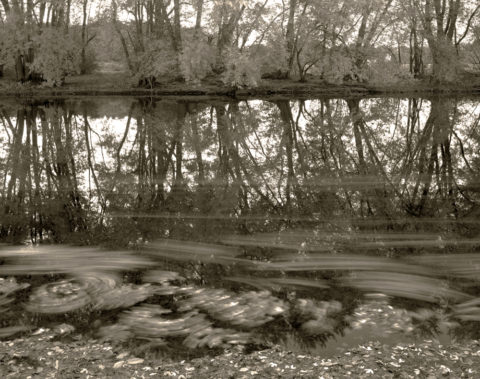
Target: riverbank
{"points": [[121, 84], [41, 356]]}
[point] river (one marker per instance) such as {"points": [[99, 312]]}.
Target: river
{"points": [[213, 222]]}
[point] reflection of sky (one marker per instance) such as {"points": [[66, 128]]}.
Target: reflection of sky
{"points": [[114, 127], [261, 145]]}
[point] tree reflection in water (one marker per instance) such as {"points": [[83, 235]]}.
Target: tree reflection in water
{"points": [[312, 204]]}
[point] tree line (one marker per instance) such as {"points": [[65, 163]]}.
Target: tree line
{"points": [[243, 41]]}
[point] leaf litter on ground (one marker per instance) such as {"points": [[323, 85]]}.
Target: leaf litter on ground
{"points": [[38, 355]]}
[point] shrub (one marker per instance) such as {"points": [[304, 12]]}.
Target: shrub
{"points": [[90, 64], [46, 54], [475, 57], [240, 70], [272, 57], [336, 67], [157, 60], [15, 45], [448, 68], [196, 60], [387, 71], [13, 39], [56, 56]]}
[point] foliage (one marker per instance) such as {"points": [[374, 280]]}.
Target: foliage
{"points": [[384, 70], [156, 61], [308, 57], [475, 56], [286, 38], [90, 63], [56, 56], [446, 65], [241, 70], [272, 57], [196, 60], [106, 44], [13, 40], [336, 67], [477, 43]]}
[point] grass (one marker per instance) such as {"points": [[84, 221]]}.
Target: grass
{"points": [[111, 78]]}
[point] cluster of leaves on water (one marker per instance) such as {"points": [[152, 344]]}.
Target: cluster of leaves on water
{"points": [[172, 310]]}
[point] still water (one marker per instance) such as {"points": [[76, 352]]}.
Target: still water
{"points": [[205, 223]]}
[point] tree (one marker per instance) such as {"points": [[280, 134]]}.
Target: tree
{"points": [[416, 39], [85, 38], [152, 37], [26, 30], [440, 20], [374, 14], [290, 36]]}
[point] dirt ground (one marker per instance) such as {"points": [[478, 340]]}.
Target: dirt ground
{"points": [[42, 355], [112, 80]]}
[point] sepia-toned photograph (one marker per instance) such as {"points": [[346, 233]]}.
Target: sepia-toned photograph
{"points": [[238, 189]]}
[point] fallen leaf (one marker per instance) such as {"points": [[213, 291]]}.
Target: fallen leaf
{"points": [[135, 361], [118, 364]]}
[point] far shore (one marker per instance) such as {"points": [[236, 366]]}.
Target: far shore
{"points": [[120, 84]]}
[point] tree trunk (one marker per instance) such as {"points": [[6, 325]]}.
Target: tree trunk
{"points": [[67, 21], [198, 21], [177, 26], [83, 67], [290, 37], [444, 61], [439, 28], [225, 36], [159, 20], [20, 69], [416, 52]]}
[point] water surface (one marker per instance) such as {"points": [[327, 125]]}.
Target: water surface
{"points": [[212, 223]]}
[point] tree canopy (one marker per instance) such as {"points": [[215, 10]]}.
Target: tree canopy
{"points": [[241, 41]]}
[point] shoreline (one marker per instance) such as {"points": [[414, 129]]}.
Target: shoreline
{"points": [[268, 89]]}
